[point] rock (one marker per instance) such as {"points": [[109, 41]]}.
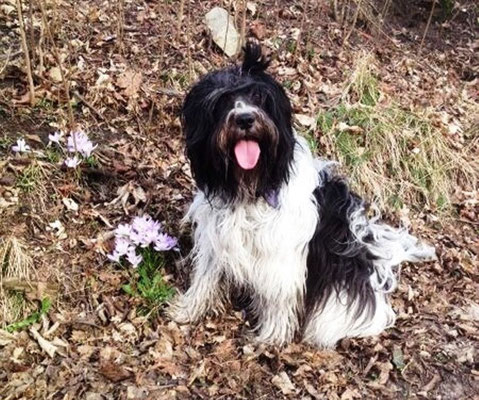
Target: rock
{"points": [[223, 30]]}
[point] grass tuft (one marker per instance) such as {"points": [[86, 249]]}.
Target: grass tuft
{"points": [[32, 318], [30, 178], [14, 263], [394, 154]]}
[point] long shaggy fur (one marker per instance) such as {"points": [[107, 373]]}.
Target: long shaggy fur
{"points": [[289, 232]]}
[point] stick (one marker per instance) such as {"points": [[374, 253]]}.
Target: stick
{"points": [[170, 92], [120, 26], [25, 53], [66, 86], [301, 27], [30, 30], [427, 25], [355, 19], [243, 24], [180, 18], [89, 105]]}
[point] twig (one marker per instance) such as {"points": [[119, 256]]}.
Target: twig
{"points": [[89, 105], [25, 53], [466, 221], [335, 10], [181, 11], [343, 12], [230, 12], [355, 19], [427, 25], [120, 26], [30, 30], [188, 47], [163, 23], [301, 27], [7, 56], [169, 92], [243, 23], [66, 85], [10, 55]]}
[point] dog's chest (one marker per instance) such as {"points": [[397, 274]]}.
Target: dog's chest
{"points": [[251, 241]]}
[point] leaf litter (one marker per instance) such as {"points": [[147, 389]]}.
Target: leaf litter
{"points": [[129, 78]]}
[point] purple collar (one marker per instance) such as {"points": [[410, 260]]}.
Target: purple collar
{"points": [[272, 198]]}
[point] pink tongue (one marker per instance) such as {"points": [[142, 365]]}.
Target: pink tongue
{"points": [[247, 153]]}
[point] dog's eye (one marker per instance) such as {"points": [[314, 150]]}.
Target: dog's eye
{"points": [[257, 97]]}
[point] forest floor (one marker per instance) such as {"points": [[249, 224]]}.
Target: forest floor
{"points": [[127, 65]]}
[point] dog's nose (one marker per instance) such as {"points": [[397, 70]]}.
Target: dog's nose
{"points": [[244, 120]]}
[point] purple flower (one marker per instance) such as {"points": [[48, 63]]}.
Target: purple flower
{"points": [[72, 162], [123, 230], [115, 257], [165, 242], [134, 259], [145, 230], [21, 146], [55, 137], [145, 223], [142, 232], [123, 246], [78, 142]]}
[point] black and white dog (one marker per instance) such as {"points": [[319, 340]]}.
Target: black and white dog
{"points": [[274, 221]]}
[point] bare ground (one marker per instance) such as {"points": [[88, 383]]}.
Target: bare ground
{"points": [[127, 81]]}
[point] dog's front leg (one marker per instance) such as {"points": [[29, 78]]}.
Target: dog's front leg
{"points": [[278, 322], [204, 293], [279, 296]]}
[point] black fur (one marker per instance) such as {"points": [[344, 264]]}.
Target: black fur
{"points": [[204, 116], [335, 260], [254, 60]]}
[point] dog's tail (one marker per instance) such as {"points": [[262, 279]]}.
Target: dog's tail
{"points": [[254, 60]]}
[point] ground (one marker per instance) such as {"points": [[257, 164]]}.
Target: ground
{"points": [[126, 67]]}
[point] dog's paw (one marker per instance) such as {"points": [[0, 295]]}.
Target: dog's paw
{"points": [[272, 338], [180, 312]]}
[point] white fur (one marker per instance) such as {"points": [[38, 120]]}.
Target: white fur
{"points": [[264, 249]]}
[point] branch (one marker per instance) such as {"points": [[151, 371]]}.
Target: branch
{"points": [[25, 53]]}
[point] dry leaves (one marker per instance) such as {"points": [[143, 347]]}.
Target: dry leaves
{"points": [[130, 81], [431, 352]]}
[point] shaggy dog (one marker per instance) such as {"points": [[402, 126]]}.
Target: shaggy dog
{"points": [[275, 222]]}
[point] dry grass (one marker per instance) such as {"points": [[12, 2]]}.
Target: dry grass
{"points": [[15, 262], [395, 155]]}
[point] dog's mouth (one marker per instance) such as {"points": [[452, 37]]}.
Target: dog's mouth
{"points": [[247, 153]]}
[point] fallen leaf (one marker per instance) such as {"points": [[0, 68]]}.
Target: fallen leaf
{"points": [[305, 120], [113, 371], [6, 337], [398, 357], [198, 372], [130, 81], [344, 127], [251, 7], [283, 382], [350, 394], [46, 346], [58, 229], [55, 74], [430, 385], [70, 204]]}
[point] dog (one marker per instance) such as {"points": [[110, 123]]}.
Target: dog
{"points": [[275, 222]]}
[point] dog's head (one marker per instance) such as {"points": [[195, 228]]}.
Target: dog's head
{"points": [[239, 137]]}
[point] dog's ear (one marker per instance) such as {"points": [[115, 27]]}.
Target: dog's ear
{"points": [[254, 60]]}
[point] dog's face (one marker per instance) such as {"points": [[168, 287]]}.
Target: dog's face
{"points": [[239, 137]]}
